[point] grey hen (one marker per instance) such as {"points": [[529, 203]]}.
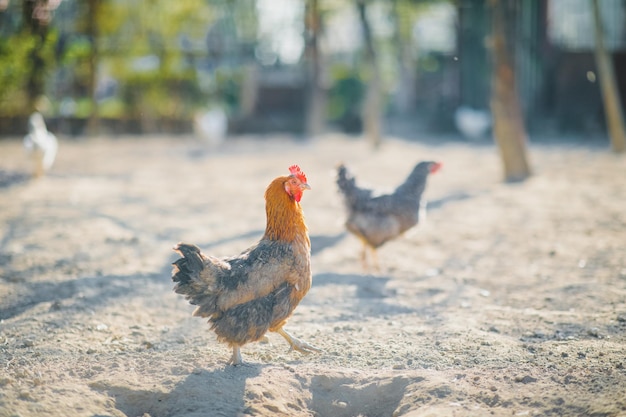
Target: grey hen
{"points": [[376, 220]]}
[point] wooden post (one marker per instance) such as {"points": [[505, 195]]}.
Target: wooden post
{"points": [[508, 121], [36, 17], [315, 108], [93, 124], [612, 106], [372, 113]]}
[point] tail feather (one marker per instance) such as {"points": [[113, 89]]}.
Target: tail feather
{"points": [[189, 278], [194, 281], [347, 185], [189, 265]]}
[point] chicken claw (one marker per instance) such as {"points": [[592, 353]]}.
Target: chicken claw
{"points": [[297, 344]]}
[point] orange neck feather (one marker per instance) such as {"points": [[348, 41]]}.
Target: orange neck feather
{"points": [[285, 219]]}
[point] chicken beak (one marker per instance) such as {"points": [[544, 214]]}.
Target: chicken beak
{"points": [[305, 186]]}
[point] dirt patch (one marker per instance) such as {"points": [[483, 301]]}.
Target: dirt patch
{"points": [[508, 300]]}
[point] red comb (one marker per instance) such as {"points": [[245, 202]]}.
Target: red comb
{"points": [[297, 172]]}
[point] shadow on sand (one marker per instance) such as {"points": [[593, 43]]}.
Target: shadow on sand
{"points": [[219, 392]]}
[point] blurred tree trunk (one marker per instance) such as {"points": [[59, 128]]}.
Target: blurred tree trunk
{"points": [[612, 106], [35, 18], [93, 124], [372, 113], [405, 88], [316, 103], [508, 121], [249, 91]]}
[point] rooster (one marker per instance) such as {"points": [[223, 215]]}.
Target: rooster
{"points": [[376, 220], [247, 295], [41, 143]]}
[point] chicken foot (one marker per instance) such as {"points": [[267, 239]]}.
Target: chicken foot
{"points": [[235, 359], [297, 344]]}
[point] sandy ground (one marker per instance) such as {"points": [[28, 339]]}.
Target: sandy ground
{"points": [[509, 300]]}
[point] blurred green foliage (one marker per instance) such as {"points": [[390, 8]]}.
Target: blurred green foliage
{"points": [[225, 89], [159, 93], [345, 97], [16, 62], [151, 52], [168, 36]]}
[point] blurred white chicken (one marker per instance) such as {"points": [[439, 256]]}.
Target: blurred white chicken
{"points": [[472, 123], [41, 144], [211, 126]]}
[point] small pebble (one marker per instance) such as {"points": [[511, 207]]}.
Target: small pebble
{"points": [[526, 379], [595, 332]]}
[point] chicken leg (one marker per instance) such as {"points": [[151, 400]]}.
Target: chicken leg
{"points": [[373, 258], [297, 344], [235, 359]]}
